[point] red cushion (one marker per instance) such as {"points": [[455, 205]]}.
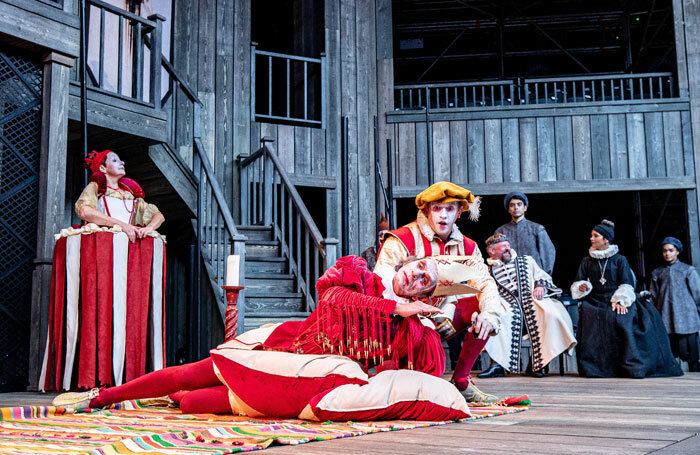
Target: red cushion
{"points": [[280, 384], [390, 395]]}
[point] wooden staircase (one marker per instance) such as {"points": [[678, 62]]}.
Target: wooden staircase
{"points": [[271, 289]]}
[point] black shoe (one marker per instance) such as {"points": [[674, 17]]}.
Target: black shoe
{"points": [[495, 371], [538, 373]]}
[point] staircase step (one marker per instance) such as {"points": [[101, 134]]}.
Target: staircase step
{"points": [[273, 303], [267, 275], [256, 232], [274, 286], [258, 265], [262, 248], [252, 322]]}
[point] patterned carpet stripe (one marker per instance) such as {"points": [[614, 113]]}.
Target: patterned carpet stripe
{"points": [[140, 427]]}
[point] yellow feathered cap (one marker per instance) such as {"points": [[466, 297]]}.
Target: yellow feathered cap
{"points": [[443, 192]]}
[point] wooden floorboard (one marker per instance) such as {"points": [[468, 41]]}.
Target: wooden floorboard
{"points": [[569, 415]]}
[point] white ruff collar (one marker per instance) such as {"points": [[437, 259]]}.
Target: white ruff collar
{"points": [[603, 254], [498, 262], [428, 232]]}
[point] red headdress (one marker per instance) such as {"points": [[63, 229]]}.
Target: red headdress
{"points": [[95, 159]]}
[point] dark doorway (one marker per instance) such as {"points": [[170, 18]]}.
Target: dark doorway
{"points": [[569, 218]]}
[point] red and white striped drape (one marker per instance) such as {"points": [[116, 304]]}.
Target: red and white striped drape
{"points": [[107, 315]]}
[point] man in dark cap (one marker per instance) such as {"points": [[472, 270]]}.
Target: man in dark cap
{"points": [[675, 290], [526, 237]]}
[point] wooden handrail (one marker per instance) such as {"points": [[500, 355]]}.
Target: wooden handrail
{"points": [[296, 199], [120, 12]]}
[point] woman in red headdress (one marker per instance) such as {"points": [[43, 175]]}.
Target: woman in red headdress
{"points": [[110, 199]]}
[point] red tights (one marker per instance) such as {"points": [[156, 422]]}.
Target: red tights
{"points": [[471, 347], [194, 385]]}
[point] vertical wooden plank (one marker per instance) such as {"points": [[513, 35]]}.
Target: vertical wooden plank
{"points": [[206, 57], [636, 146], [546, 157], [302, 150], [693, 231], [528, 149], [688, 160], [227, 171], [654, 134], [405, 165], [285, 146], [318, 151], [493, 153], [458, 151], [238, 73], [333, 114], [185, 60], [441, 151], [475, 151], [563, 137], [680, 47], [385, 72], [421, 154], [269, 130], [600, 147], [581, 133], [617, 135], [511, 150], [369, 46], [673, 144]]}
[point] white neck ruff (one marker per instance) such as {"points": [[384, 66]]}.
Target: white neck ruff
{"points": [[609, 252]]}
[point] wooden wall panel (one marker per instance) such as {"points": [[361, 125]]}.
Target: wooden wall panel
{"points": [[421, 154], [581, 133], [528, 149], [302, 150], [493, 150], [617, 135], [688, 160], [318, 151], [441, 151], [546, 154], [406, 144], [475, 151], [458, 151], [654, 139], [511, 150], [673, 143], [600, 147], [636, 148], [564, 148]]}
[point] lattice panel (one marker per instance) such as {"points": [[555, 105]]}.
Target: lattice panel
{"points": [[20, 123]]}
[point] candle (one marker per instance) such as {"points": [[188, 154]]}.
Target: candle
{"points": [[233, 263]]}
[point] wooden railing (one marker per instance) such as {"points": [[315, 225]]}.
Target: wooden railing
{"points": [[560, 90], [269, 198], [298, 81], [146, 38]]}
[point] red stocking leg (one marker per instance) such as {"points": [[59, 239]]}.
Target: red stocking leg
{"points": [[471, 347], [191, 376], [212, 400]]}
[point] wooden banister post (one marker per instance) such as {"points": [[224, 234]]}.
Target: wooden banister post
{"points": [[156, 52], [331, 246]]}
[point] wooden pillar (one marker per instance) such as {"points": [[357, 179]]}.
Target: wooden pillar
{"points": [[241, 90], [385, 82], [687, 19], [52, 187], [333, 114]]}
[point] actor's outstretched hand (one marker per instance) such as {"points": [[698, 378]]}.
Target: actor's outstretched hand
{"points": [[415, 307], [130, 231], [619, 309], [583, 287], [480, 326]]}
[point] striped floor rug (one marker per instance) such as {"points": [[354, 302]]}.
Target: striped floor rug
{"points": [[141, 426]]}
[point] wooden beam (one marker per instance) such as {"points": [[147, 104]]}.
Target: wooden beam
{"points": [[41, 25], [548, 110], [52, 188], [570, 186]]}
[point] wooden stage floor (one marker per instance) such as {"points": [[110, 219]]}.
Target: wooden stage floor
{"points": [[569, 415]]}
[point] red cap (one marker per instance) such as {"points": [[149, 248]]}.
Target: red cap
{"points": [[95, 159]]}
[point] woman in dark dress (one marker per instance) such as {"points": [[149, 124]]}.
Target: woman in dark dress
{"points": [[619, 333]]}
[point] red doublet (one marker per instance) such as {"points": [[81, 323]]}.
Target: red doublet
{"points": [[353, 320]]}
